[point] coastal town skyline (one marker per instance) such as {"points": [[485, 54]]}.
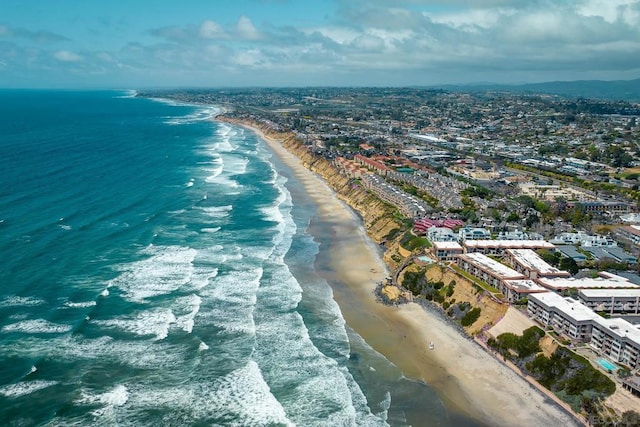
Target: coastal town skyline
{"points": [[313, 43]]}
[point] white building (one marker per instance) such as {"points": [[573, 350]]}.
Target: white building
{"points": [[566, 315], [446, 251], [529, 263], [612, 301], [617, 339], [441, 234], [498, 247], [604, 281], [470, 233]]}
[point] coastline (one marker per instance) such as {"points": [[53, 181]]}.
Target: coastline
{"points": [[467, 378]]}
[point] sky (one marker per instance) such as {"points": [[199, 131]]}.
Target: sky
{"points": [[236, 43]]}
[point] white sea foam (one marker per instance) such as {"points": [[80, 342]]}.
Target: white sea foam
{"points": [[203, 346], [155, 322], [37, 326], [234, 165], [33, 369], [65, 227], [16, 301], [167, 269], [118, 396], [217, 211], [83, 304], [241, 398], [202, 113], [189, 184], [186, 310], [24, 388], [105, 292], [210, 230]]}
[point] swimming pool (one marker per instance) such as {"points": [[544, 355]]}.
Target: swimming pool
{"points": [[606, 365]]}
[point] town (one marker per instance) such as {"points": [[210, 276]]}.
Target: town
{"points": [[534, 197]]}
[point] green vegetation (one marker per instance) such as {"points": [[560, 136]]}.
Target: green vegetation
{"points": [[470, 317], [412, 242], [509, 344], [476, 281], [570, 376]]}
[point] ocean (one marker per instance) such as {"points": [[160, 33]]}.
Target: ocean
{"points": [[158, 268]]}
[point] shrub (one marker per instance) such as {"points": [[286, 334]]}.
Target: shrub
{"points": [[471, 316]]}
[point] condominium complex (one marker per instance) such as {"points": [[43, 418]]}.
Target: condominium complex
{"points": [[612, 301], [529, 263], [498, 247], [615, 338], [510, 283]]}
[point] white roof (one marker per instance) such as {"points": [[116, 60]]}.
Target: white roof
{"points": [[531, 260], [567, 306], [620, 328], [585, 283], [525, 286], [610, 293], [447, 246], [509, 244], [491, 266]]}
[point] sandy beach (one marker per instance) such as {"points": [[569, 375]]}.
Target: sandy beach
{"points": [[467, 378]]}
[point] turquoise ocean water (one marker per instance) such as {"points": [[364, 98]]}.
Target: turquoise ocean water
{"points": [[156, 270]]}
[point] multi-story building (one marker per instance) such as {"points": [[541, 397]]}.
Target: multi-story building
{"points": [[617, 339], [510, 283], [498, 247], [529, 263], [604, 281], [470, 233], [446, 251], [612, 301], [565, 315]]}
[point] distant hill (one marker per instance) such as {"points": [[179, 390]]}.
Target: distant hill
{"points": [[617, 90]]}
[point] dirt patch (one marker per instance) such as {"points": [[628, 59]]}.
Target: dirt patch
{"points": [[514, 321], [548, 345], [464, 291]]}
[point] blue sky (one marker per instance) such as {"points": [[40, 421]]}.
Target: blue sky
{"points": [[218, 43]]}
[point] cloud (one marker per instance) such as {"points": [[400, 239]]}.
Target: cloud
{"points": [[211, 30], [247, 30], [67, 56], [39, 36]]}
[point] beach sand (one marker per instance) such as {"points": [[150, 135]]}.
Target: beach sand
{"points": [[467, 378]]}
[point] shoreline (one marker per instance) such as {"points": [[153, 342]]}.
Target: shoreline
{"points": [[468, 379]]}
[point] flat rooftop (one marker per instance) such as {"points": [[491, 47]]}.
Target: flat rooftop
{"points": [[525, 286], [557, 283], [621, 328], [509, 244], [568, 306], [531, 260], [446, 246], [610, 293], [491, 266]]}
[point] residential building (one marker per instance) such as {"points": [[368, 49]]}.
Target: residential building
{"points": [[617, 339], [470, 233], [529, 263], [446, 250], [604, 281], [498, 247], [612, 301], [566, 315]]}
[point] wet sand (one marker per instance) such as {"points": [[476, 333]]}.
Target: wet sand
{"points": [[468, 379]]}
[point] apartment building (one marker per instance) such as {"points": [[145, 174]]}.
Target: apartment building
{"points": [[612, 301]]}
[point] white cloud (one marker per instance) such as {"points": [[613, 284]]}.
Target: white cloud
{"points": [[247, 30], [67, 56], [211, 30]]}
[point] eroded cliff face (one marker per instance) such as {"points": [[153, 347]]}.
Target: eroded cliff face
{"points": [[377, 216]]}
